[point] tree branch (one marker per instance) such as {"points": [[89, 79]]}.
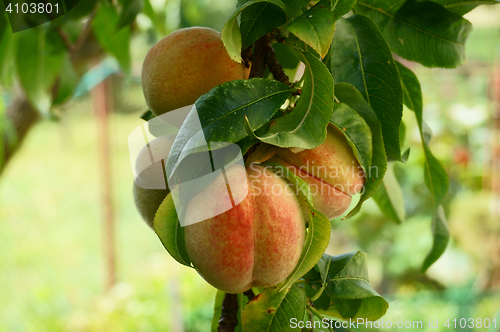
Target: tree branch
{"points": [[246, 55], [250, 294], [64, 38], [86, 30], [229, 315], [22, 116], [272, 63], [258, 62]]}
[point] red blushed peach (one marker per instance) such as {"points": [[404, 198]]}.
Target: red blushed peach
{"points": [[185, 65], [257, 243], [331, 170], [326, 198]]}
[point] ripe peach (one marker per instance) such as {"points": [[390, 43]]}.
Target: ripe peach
{"points": [[185, 65], [331, 170], [257, 242]]}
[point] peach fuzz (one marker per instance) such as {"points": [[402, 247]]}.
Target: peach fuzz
{"points": [[331, 170], [257, 243], [185, 65]]}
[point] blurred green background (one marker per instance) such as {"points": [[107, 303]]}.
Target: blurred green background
{"points": [[52, 264]]}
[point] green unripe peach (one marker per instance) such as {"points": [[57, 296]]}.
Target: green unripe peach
{"points": [[258, 242], [150, 188], [147, 202], [185, 65]]}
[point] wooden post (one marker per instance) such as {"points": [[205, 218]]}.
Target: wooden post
{"points": [[102, 105]]}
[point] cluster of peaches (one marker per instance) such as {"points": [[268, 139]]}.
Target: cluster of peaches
{"points": [[258, 242]]}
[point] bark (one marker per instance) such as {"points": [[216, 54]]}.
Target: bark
{"points": [[229, 315], [22, 116]]}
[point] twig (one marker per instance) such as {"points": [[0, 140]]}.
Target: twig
{"points": [[64, 38], [85, 32], [258, 62], [72, 48], [229, 315], [250, 294], [246, 55], [272, 63]]}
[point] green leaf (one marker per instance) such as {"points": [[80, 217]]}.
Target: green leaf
{"points": [[83, 8], [462, 7], [420, 31], [148, 115], [149, 12], [231, 33], [286, 56], [389, 197], [315, 27], [219, 297], [66, 84], [356, 131], [129, 11], [231, 37], [293, 6], [38, 68], [318, 230], [170, 232], [342, 7], [348, 294], [7, 54], [221, 113], [347, 94], [259, 19], [305, 126], [354, 59], [436, 178], [272, 310], [116, 43], [440, 235]]}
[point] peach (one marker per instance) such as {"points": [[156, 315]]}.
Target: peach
{"points": [[331, 170], [150, 188], [185, 65], [256, 243]]}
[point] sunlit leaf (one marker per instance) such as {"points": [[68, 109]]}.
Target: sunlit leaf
{"points": [[349, 294], [347, 94], [441, 237], [170, 232], [315, 27], [389, 197], [305, 126], [360, 56], [271, 310]]}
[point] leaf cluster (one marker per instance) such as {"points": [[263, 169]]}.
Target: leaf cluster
{"points": [[352, 81]]}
